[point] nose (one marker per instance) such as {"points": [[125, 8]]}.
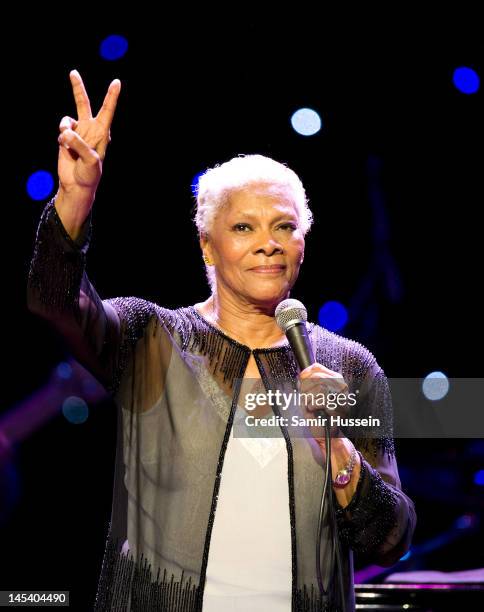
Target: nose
{"points": [[268, 245]]}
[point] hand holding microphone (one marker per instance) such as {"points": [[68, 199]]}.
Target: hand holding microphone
{"points": [[327, 387], [330, 389]]}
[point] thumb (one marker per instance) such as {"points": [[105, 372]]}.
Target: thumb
{"points": [[71, 140]]}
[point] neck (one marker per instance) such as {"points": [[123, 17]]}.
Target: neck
{"points": [[251, 324]]}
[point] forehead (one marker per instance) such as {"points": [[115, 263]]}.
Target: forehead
{"points": [[261, 199]]}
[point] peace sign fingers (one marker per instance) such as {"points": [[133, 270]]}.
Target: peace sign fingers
{"points": [[80, 96], [106, 113]]}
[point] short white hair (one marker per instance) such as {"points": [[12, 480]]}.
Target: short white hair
{"points": [[216, 185]]}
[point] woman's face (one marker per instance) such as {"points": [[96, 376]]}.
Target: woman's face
{"points": [[258, 227]]}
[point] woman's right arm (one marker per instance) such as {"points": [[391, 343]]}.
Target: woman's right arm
{"points": [[58, 288], [59, 291]]}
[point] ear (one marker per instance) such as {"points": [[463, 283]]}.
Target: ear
{"points": [[205, 245]]}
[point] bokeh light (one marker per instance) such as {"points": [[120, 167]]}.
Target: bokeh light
{"points": [[466, 80], [113, 47], [64, 370], [194, 183], [333, 315], [40, 185], [306, 122], [75, 410], [435, 386], [479, 478]]}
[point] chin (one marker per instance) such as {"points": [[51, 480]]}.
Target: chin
{"points": [[267, 295]]}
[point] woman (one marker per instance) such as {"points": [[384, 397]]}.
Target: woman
{"points": [[203, 519]]}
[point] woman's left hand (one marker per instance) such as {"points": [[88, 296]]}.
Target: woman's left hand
{"points": [[331, 391]]}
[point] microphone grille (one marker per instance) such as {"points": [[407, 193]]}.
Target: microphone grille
{"points": [[289, 312]]}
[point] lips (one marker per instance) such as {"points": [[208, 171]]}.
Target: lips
{"points": [[269, 268]]}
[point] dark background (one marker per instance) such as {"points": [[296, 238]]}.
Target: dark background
{"points": [[394, 180]]}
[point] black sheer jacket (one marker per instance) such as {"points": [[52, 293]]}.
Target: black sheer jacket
{"points": [[175, 380]]}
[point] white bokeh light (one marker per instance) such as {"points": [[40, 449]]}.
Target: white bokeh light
{"points": [[306, 122], [435, 386]]}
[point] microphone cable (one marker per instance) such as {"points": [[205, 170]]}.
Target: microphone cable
{"points": [[336, 556]]}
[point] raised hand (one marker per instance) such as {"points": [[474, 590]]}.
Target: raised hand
{"points": [[83, 143]]}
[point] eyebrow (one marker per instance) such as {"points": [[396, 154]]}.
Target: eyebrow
{"points": [[278, 218]]}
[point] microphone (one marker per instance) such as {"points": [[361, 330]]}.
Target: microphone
{"points": [[291, 316]]}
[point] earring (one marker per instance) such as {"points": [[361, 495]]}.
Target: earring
{"points": [[207, 261]]}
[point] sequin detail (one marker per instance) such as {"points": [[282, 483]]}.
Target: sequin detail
{"points": [[309, 600], [125, 582], [366, 521], [57, 265], [134, 314]]}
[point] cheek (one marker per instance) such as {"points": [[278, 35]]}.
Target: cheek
{"points": [[295, 249], [231, 252]]}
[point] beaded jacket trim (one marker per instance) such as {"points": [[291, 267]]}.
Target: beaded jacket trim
{"points": [[227, 356]]}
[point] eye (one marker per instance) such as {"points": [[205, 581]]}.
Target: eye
{"points": [[241, 227], [289, 226]]}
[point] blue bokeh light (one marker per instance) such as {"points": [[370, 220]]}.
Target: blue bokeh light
{"points": [[113, 47], [64, 370], [75, 410], [406, 556], [194, 183], [435, 386], [90, 387], [306, 122], [479, 478], [40, 185], [466, 521], [333, 316], [466, 80]]}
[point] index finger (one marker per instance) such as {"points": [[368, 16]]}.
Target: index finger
{"points": [[80, 96], [318, 368], [106, 114]]}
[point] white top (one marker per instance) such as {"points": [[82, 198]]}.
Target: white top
{"points": [[249, 563]]}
